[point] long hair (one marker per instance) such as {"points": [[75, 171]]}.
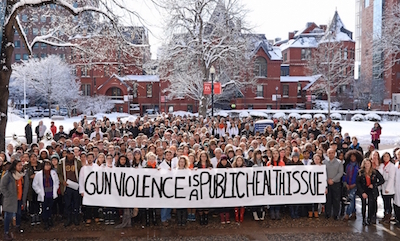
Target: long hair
{"points": [[382, 161], [127, 163], [371, 170], [234, 164], [208, 162], [13, 167]]}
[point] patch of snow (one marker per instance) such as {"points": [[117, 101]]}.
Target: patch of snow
{"points": [[336, 116], [323, 105], [358, 117], [306, 116], [295, 115], [373, 117], [244, 114], [182, 113], [320, 116], [279, 115], [258, 114]]}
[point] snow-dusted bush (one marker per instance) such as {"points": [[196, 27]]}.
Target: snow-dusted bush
{"points": [[358, 117], [91, 105], [323, 105], [258, 114], [320, 116], [295, 115], [336, 116], [244, 114], [306, 116], [279, 115], [373, 117]]}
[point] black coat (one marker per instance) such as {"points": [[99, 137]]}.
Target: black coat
{"points": [[376, 180], [28, 134]]}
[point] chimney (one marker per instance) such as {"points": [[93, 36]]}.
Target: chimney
{"points": [[323, 27], [291, 35], [277, 39]]}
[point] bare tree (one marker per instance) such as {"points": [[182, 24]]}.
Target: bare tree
{"points": [[69, 19], [201, 34], [333, 65]]}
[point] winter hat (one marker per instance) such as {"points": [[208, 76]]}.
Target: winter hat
{"points": [[224, 157], [44, 150], [295, 154], [137, 150]]}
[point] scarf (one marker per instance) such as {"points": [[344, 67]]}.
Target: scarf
{"points": [[18, 175]]}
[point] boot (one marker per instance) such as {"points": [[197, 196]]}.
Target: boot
{"points": [[237, 215], [184, 219], [179, 219], [46, 225], [147, 218], [206, 219], [201, 218], [37, 219], [272, 214], [255, 216], [316, 214], [241, 214], [68, 221], [8, 237], [76, 219], [262, 216], [222, 216], [310, 214], [154, 218], [33, 220], [227, 218], [388, 218], [112, 218], [278, 215], [107, 218], [50, 222]]}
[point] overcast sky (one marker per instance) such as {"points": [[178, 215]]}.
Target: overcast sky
{"points": [[274, 18]]}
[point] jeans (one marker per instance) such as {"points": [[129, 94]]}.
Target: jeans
{"points": [[387, 203], [352, 206], [7, 221], [18, 216], [72, 201], [47, 205], [165, 214], [294, 211], [34, 205], [333, 199]]}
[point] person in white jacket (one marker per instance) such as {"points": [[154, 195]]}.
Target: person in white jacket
{"points": [[388, 171], [46, 184], [397, 194], [90, 212]]}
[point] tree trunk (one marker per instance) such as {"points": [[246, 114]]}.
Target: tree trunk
{"points": [[7, 49], [329, 103], [203, 107]]}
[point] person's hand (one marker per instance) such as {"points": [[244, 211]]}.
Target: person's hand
{"points": [[195, 168], [169, 169], [330, 181], [32, 176], [386, 191], [65, 183], [371, 186], [210, 168], [82, 194], [364, 195], [326, 190]]}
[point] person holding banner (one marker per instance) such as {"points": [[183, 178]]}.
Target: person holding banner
{"points": [[68, 174], [294, 209], [150, 213], [203, 163], [90, 212], [334, 172], [313, 208], [239, 162], [182, 213], [278, 159], [224, 212], [166, 164], [368, 181]]}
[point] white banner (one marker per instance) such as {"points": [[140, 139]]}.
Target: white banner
{"points": [[203, 188]]}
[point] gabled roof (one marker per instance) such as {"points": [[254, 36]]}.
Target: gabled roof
{"points": [[313, 80], [273, 52], [310, 79], [337, 32]]}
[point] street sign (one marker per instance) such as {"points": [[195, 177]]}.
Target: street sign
{"points": [[207, 88], [217, 88]]}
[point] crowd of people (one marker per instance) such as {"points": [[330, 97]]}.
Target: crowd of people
{"points": [[43, 179]]}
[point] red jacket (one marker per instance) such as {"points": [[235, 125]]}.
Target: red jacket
{"points": [[53, 129], [375, 134]]}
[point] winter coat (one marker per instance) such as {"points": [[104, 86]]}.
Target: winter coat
{"points": [[28, 134], [397, 186], [38, 185], [29, 172], [376, 180], [233, 131], [375, 134], [8, 188], [388, 172], [357, 147], [61, 174]]}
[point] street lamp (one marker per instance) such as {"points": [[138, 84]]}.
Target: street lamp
{"points": [[276, 97], [212, 72]]}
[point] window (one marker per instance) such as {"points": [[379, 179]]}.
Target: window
{"points": [[260, 91], [74, 71], [86, 89], [43, 45], [284, 57], [62, 56], [43, 31], [36, 45], [260, 67], [190, 108], [17, 44], [298, 89], [366, 2], [116, 93], [149, 90], [84, 71], [36, 56], [17, 57], [35, 31], [305, 54], [285, 70], [43, 19], [24, 18], [285, 90], [25, 56], [345, 54], [43, 56], [35, 18]]}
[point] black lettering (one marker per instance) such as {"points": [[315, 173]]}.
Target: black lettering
{"points": [[237, 184], [144, 186], [178, 188], [257, 182], [298, 182], [267, 182], [133, 186], [107, 181], [310, 183], [289, 180], [194, 193], [282, 184], [203, 182], [276, 180], [119, 187], [249, 183], [163, 187], [232, 174], [318, 183], [196, 180], [219, 180], [302, 177], [92, 184], [155, 186], [97, 183]]}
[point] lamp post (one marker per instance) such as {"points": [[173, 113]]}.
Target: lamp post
{"points": [[212, 72], [276, 97]]}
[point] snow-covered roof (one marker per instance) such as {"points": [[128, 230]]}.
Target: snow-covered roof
{"points": [[337, 32], [139, 78], [315, 78], [299, 78], [273, 52], [300, 42]]}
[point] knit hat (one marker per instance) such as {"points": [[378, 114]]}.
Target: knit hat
{"points": [[295, 154]]}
